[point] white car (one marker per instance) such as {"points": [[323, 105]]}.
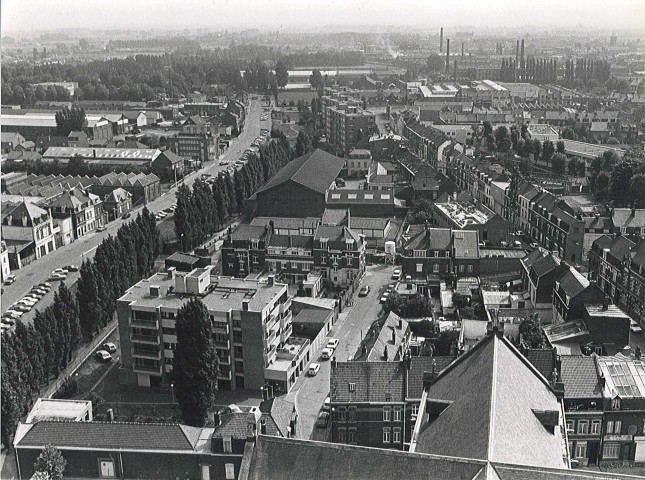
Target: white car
{"points": [[103, 356], [635, 327], [397, 274], [332, 343], [314, 368], [327, 353], [57, 276], [15, 313]]}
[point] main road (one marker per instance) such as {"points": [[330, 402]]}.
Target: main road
{"points": [[82, 249]]}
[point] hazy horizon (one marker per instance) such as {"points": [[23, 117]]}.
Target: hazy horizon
{"points": [[23, 16]]}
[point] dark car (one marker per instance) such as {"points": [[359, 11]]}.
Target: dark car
{"points": [[126, 215], [323, 420], [71, 268]]}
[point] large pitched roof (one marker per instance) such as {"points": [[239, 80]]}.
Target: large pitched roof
{"points": [[418, 365], [115, 435], [493, 393], [627, 217], [315, 171], [572, 282]]}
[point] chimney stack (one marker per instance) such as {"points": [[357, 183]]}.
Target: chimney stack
{"points": [[462, 49], [271, 280], [393, 336], [605, 303], [349, 219], [441, 41], [522, 61], [447, 56]]}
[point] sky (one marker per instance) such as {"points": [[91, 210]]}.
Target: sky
{"points": [[300, 15]]}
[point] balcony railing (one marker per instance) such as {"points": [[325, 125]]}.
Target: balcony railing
{"points": [[149, 339], [153, 355], [153, 370], [152, 324]]}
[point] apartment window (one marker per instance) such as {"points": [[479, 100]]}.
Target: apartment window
{"points": [[583, 427], [387, 435], [238, 351], [342, 437], [351, 413], [595, 426], [461, 268], [351, 436], [228, 444], [387, 414], [610, 450], [569, 427], [342, 414], [419, 267], [396, 438], [352, 387], [168, 331], [397, 413], [610, 426], [435, 268], [237, 337], [415, 410], [617, 426], [470, 268], [581, 450], [106, 468]]}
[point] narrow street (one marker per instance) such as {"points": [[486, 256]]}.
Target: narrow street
{"points": [[310, 392]]}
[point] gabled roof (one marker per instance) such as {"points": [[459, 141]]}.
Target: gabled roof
{"points": [[25, 209], [117, 195], [580, 377], [418, 365], [465, 243], [493, 393], [572, 282], [291, 241], [373, 382], [544, 265], [543, 359], [316, 171], [114, 435]]}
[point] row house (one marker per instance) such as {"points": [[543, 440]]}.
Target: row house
{"points": [[376, 403], [604, 402], [539, 273], [244, 250], [616, 264], [84, 208], [28, 232], [290, 257], [628, 221], [556, 229], [571, 292], [339, 254], [425, 142]]}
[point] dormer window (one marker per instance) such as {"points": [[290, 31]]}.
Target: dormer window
{"points": [[323, 242], [352, 387]]}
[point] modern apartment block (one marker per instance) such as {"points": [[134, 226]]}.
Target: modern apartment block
{"points": [[345, 120], [250, 324]]}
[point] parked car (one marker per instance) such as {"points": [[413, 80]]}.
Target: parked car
{"points": [[326, 405], [126, 215], [635, 327], [57, 276], [102, 228], [103, 356], [323, 420], [397, 274], [383, 300], [326, 353], [364, 291], [8, 321], [332, 343], [314, 368], [10, 279], [109, 347], [21, 307], [71, 268]]}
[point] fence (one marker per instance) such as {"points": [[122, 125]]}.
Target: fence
{"points": [[82, 354]]}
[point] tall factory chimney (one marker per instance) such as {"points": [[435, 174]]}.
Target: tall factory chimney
{"points": [[462, 49], [522, 61], [441, 41], [447, 56]]}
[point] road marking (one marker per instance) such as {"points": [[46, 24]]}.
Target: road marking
{"points": [[85, 253]]}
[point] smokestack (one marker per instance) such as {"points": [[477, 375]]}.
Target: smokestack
{"points": [[441, 41], [447, 56], [462, 49], [455, 70], [517, 53], [522, 61]]}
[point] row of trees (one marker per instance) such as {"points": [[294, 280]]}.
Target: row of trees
{"points": [[619, 181], [35, 353], [28, 94], [204, 209], [118, 263]]}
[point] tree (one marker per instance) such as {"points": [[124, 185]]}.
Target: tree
{"points": [[281, 73], [637, 188], [70, 120], [547, 151], [531, 332], [537, 148], [558, 162], [51, 462], [303, 144], [316, 79], [573, 167], [620, 179], [502, 139], [601, 186], [560, 147], [195, 364]]}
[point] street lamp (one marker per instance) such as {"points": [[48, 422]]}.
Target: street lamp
{"points": [[172, 387], [181, 239]]}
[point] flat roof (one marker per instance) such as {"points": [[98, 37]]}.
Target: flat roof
{"points": [[58, 409], [463, 214], [144, 154]]}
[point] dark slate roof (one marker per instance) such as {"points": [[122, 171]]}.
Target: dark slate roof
{"points": [[572, 282], [235, 424], [418, 365], [627, 217], [620, 247], [521, 472], [639, 255], [603, 241], [317, 171], [311, 316], [531, 258], [543, 359], [277, 458], [280, 411], [335, 233], [544, 265], [115, 435], [580, 377], [248, 232], [374, 382], [293, 241], [417, 238], [493, 392]]}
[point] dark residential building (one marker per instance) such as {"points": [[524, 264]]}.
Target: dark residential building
{"points": [[539, 273], [168, 166], [629, 221], [244, 250], [365, 203], [84, 208], [492, 228], [290, 257], [10, 141], [185, 262], [300, 188], [117, 203], [427, 255], [347, 123], [607, 324], [430, 184], [571, 292], [339, 254], [77, 139]]}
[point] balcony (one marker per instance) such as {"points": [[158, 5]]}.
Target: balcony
{"points": [[149, 339], [286, 333], [223, 344], [224, 360], [149, 369], [139, 323], [284, 307], [152, 355], [224, 375]]}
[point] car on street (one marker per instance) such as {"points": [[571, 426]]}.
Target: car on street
{"points": [[103, 356], [397, 274], [326, 353], [326, 404], [71, 268], [21, 307], [383, 299], [323, 420], [364, 291], [102, 228], [314, 368], [332, 343], [57, 276], [126, 215], [10, 279], [16, 314], [635, 327], [109, 347]]}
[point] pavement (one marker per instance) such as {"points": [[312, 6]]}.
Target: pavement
{"points": [[84, 248], [309, 393]]}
